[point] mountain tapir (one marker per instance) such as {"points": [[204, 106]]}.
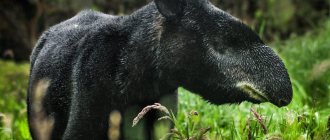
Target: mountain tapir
{"points": [[96, 63]]}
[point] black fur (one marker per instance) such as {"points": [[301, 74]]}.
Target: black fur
{"points": [[96, 63]]}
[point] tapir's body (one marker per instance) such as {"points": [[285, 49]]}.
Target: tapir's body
{"points": [[96, 63]]}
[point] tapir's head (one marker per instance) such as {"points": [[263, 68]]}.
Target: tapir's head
{"points": [[215, 55]]}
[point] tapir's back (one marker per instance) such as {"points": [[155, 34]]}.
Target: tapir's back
{"points": [[68, 34]]}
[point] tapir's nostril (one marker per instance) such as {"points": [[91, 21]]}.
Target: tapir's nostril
{"points": [[283, 102]]}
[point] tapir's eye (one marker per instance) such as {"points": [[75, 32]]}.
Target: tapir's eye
{"points": [[218, 47]]}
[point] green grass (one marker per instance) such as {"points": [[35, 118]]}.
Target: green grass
{"points": [[307, 59], [296, 121], [13, 87]]}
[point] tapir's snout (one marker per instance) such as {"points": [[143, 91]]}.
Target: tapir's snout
{"points": [[282, 94], [276, 83], [266, 78]]}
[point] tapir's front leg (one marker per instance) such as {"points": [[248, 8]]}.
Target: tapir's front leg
{"points": [[170, 101], [145, 129], [158, 129], [89, 111]]}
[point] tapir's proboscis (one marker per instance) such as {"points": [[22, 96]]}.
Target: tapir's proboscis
{"points": [[96, 63]]}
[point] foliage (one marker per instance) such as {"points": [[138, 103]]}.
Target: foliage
{"points": [[24, 21], [284, 18], [13, 87], [308, 61], [279, 19]]}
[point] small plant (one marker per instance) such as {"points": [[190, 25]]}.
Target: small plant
{"points": [[252, 128], [190, 132], [260, 120]]}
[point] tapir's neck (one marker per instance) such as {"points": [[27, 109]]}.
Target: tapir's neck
{"points": [[140, 55]]}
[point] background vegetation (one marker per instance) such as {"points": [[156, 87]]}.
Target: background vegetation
{"points": [[22, 21], [298, 30]]}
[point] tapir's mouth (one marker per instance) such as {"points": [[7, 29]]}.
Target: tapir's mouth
{"points": [[252, 91]]}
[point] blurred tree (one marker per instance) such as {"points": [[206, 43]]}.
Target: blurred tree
{"points": [[17, 28], [120, 7]]}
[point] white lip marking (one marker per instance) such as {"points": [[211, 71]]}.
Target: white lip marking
{"points": [[252, 91]]}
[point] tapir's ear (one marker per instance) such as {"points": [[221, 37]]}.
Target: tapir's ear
{"points": [[170, 8]]}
